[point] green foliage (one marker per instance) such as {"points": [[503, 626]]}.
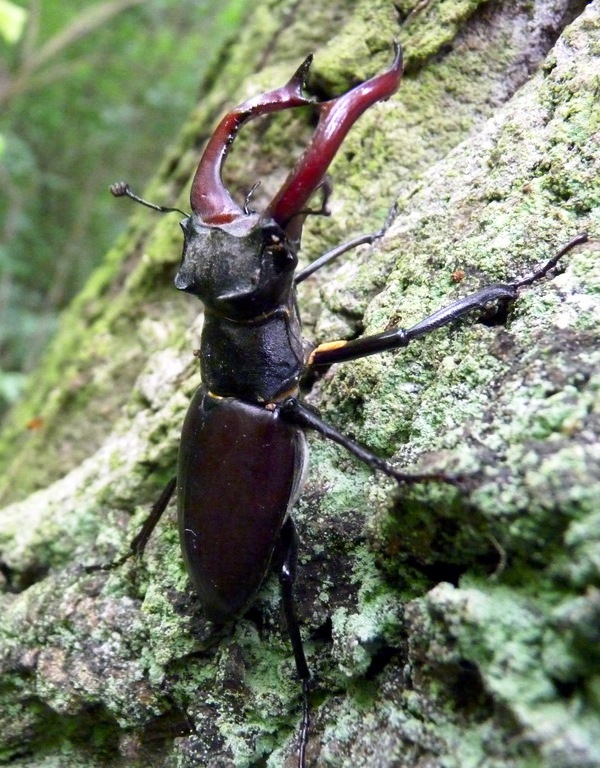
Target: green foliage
{"points": [[92, 97], [12, 21]]}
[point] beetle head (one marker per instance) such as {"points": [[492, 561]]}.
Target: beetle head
{"points": [[242, 268], [242, 261]]}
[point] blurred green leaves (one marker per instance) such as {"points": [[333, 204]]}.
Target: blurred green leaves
{"points": [[89, 94], [12, 21]]}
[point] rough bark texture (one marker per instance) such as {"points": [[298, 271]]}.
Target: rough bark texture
{"points": [[444, 627]]}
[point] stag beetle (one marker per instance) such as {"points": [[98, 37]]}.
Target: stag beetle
{"points": [[242, 456]]}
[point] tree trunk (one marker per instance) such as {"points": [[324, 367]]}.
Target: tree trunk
{"points": [[444, 626]]}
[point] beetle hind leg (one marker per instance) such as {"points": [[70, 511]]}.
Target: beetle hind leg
{"points": [[297, 413], [288, 543], [138, 543], [287, 559]]}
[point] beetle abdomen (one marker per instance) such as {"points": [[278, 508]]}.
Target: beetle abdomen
{"points": [[240, 469]]}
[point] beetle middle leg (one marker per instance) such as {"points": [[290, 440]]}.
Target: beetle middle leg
{"points": [[295, 412], [341, 351]]}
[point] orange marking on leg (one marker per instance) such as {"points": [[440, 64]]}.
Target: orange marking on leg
{"points": [[329, 345]]}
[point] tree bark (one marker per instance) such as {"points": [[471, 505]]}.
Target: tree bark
{"points": [[444, 626]]}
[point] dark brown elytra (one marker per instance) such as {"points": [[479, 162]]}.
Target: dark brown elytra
{"points": [[242, 455]]}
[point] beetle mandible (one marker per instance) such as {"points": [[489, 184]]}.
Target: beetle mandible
{"points": [[242, 456]]}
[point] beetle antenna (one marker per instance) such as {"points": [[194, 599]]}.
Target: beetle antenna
{"points": [[251, 191], [121, 189]]}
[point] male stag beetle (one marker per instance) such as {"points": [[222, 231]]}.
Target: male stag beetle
{"points": [[243, 456]]}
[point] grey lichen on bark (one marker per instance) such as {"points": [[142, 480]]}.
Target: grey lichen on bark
{"points": [[444, 626]]}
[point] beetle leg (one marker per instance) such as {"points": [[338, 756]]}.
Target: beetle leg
{"points": [[297, 413], [288, 543], [288, 554], [325, 188], [395, 338], [138, 543], [345, 247]]}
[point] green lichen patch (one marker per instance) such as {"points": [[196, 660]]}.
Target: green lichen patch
{"points": [[508, 642]]}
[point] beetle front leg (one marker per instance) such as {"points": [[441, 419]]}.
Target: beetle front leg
{"points": [[339, 250], [395, 338]]}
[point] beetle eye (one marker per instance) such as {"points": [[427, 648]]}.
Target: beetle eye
{"points": [[276, 247], [272, 234], [283, 258]]}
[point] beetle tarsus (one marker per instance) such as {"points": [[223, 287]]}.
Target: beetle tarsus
{"points": [[288, 556], [138, 543], [106, 567], [339, 250], [326, 189], [305, 727], [295, 412], [538, 274]]}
